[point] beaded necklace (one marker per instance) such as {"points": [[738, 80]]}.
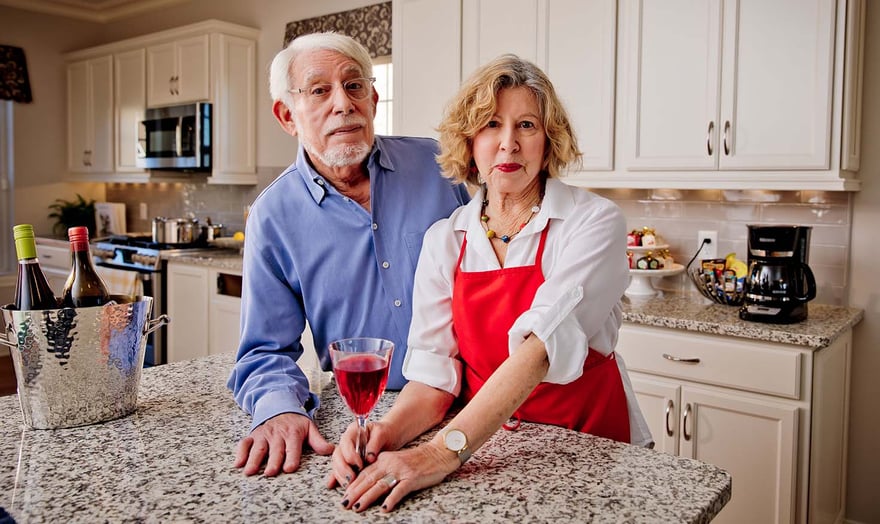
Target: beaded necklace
{"points": [[490, 233]]}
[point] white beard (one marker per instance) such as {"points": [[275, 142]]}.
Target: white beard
{"points": [[342, 155]]}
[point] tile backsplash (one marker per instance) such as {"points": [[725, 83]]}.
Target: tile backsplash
{"points": [[676, 216]]}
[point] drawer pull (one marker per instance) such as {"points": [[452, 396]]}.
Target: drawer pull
{"points": [[673, 358], [669, 406], [684, 422]]}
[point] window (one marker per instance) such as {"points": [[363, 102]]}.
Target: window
{"points": [[382, 70]]}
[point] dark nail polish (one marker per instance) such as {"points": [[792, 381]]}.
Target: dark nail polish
{"points": [[385, 507], [357, 505], [348, 478], [345, 503]]}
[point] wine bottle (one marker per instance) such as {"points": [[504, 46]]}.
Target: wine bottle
{"points": [[32, 290], [84, 288]]}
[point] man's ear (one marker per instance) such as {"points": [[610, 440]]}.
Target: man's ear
{"points": [[284, 117]]}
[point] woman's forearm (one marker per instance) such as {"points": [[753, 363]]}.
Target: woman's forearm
{"points": [[504, 391], [418, 408]]}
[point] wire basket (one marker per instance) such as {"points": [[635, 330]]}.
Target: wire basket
{"points": [[729, 293]]}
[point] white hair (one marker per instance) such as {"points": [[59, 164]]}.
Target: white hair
{"points": [[279, 71]]}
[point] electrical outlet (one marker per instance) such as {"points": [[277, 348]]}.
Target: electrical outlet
{"points": [[143, 211], [710, 249]]}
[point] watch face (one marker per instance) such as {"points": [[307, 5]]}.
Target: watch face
{"points": [[455, 440]]}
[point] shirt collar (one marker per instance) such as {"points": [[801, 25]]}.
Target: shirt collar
{"points": [[319, 187], [557, 204]]}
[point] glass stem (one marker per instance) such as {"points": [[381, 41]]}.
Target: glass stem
{"points": [[361, 444]]}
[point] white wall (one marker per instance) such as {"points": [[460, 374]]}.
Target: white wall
{"points": [[863, 504]]}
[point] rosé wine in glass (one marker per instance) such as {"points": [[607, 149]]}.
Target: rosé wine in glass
{"points": [[360, 366]]}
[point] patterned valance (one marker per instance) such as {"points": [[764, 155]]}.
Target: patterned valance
{"points": [[371, 26], [14, 83]]}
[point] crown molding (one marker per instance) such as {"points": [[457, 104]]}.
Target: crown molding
{"points": [[101, 11]]}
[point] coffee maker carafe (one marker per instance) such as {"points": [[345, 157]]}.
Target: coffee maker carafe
{"points": [[779, 282]]}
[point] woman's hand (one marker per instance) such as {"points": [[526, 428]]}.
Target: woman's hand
{"points": [[346, 461], [394, 475]]}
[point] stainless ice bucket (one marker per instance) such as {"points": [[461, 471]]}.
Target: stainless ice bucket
{"points": [[78, 366]]}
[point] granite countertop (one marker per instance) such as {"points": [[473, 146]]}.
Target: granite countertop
{"points": [[693, 312], [172, 461], [676, 309]]}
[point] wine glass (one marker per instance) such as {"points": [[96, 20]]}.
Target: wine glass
{"points": [[360, 366]]}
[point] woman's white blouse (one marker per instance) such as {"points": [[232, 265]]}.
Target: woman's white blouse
{"points": [[576, 308]]}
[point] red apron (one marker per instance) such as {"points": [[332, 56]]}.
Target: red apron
{"points": [[484, 307]]}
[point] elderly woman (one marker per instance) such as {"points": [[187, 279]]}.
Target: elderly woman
{"points": [[516, 305]]}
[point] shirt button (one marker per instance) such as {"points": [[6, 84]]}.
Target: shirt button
{"points": [[386, 265], [375, 226], [320, 182], [397, 303]]}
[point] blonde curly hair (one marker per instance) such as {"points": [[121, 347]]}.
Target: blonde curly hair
{"points": [[475, 104]]}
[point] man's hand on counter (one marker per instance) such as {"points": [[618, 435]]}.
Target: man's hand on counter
{"points": [[278, 443]]}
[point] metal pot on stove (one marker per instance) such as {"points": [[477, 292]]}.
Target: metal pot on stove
{"points": [[176, 230]]}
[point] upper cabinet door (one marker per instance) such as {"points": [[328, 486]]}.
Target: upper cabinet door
{"points": [[491, 28], [777, 75], [178, 72], [426, 57], [90, 115], [130, 94], [580, 61], [672, 51], [573, 41]]}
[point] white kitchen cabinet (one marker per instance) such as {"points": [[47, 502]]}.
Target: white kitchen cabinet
{"points": [[188, 294], [773, 415], [204, 304], [732, 84], [234, 99], [573, 41], [224, 311], [210, 61], [129, 85], [426, 56], [736, 94], [179, 71], [90, 115]]}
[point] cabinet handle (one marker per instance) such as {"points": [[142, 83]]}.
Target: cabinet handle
{"points": [[684, 422], [726, 131], [673, 358], [669, 406], [709, 137]]}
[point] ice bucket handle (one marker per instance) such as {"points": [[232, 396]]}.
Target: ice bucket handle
{"points": [[6, 339], [156, 323]]}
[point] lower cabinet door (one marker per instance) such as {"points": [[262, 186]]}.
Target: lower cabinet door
{"points": [[755, 440], [188, 309], [225, 322], [659, 402]]}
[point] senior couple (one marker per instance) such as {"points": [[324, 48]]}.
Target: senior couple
{"points": [[509, 301]]}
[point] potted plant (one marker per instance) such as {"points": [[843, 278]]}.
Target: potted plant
{"points": [[69, 214]]}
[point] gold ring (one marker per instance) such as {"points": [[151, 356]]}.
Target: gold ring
{"points": [[389, 481]]}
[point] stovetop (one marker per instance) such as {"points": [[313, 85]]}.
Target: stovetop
{"points": [[139, 252]]}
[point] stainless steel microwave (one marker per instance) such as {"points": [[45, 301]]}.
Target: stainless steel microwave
{"points": [[176, 137]]}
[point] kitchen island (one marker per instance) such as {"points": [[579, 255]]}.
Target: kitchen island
{"points": [[172, 461]]}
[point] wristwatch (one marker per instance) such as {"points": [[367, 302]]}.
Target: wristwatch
{"points": [[456, 442]]}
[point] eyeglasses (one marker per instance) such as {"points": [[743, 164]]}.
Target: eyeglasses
{"points": [[356, 89]]}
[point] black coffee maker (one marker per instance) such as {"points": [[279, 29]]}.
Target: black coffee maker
{"points": [[779, 282]]}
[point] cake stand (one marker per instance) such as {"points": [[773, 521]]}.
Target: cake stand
{"points": [[641, 284]]}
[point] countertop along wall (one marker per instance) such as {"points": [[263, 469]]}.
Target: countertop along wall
{"points": [[40, 127]]}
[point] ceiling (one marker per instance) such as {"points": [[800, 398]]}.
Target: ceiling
{"points": [[91, 10]]}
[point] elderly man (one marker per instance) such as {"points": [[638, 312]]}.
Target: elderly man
{"points": [[334, 240]]}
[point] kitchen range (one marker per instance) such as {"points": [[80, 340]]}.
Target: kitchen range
{"points": [[141, 254]]}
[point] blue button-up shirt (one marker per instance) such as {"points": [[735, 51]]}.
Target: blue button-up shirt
{"points": [[312, 253]]}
